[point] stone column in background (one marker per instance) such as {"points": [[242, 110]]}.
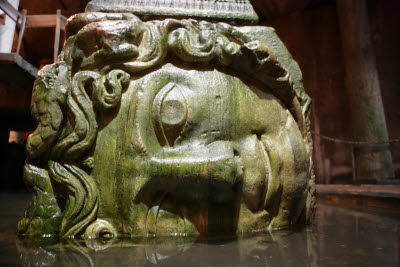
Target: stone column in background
{"points": [[362, 81]]}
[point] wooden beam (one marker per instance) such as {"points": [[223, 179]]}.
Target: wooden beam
{"points": [[57, 36], [21, 31], [15, 59], [45, 21], [11, 11]]}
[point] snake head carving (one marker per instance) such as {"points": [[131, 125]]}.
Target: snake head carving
{"points": [[49, 99]]}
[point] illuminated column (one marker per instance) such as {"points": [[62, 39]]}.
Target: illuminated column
{"points": [[362, 81]]}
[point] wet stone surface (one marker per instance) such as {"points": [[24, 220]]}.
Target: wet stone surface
{"points": [[157, 127], [339, 237]]}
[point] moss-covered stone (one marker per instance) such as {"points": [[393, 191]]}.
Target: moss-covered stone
{"points": [[172, 127]]}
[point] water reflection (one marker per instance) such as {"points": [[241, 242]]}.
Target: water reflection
{"points": [[277, 249], [339, 237]]}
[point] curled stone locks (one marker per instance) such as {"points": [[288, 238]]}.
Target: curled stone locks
{"points": [[171, 127]]}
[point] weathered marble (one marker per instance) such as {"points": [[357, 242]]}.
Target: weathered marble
{"points": [[232, 11], [171, 127]]}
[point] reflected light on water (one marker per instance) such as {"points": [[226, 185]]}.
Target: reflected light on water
{"points": [[339, 236]]}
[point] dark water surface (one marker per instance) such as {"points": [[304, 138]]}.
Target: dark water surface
{"points": [[339, 237]]}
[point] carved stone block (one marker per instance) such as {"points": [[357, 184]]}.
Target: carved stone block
{"points": [[168, 127]]}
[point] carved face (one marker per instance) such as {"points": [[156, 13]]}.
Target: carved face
{"points": [[190, 145], [137, 144]]}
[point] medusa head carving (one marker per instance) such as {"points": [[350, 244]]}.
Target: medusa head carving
{"points": [[168, 127]]}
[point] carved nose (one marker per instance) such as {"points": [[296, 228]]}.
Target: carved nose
{"points": [[203, 172]]}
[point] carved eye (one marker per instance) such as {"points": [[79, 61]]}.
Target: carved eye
{"points": [[169, 114]]}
